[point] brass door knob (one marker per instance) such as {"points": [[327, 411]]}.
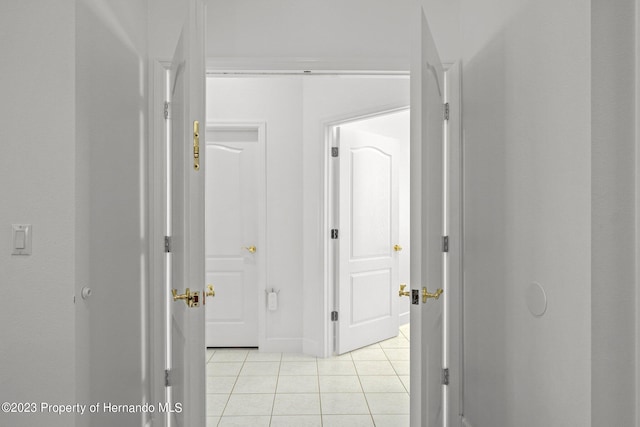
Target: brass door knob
{"points": [[402, 292], [397, 248], [426, 295], [251, 249]]}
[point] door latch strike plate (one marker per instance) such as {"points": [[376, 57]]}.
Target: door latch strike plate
{"points": [[196, 145], [415, 296]]}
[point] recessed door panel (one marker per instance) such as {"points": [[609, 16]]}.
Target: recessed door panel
{"points": [[233, 285], [224, 203], [371, 187], [375, 286]]}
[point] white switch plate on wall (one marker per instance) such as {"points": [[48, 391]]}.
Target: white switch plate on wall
{"points": [[21, 239]]}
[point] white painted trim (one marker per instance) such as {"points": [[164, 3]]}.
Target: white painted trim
{"points": [[455, 283], [297, 65], [156, 228], [329, 213], [261, 254], [637, 213], [282, 345]]}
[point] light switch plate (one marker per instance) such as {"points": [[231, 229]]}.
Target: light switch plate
{"points": [[21, 239]]}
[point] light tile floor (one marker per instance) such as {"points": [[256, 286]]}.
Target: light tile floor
{"points": [[367, 387]]}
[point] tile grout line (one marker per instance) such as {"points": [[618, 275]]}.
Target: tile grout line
{"points": [[387, 358], [232, 388], [275, 391], [364, 394], [319, 392]]}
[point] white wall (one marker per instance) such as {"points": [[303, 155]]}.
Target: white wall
{"points": [[443, 17], [296, 109], [527, 212], [548, 91], [37, 186], [111, 123], [359, 33], [73, 165], [614, 253]]}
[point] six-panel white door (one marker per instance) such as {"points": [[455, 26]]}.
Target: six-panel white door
{"points": [[234, 249], [368, 224]]}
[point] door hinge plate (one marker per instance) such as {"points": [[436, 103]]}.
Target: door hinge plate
{"points": [[445, 243], [334, 233], [334, 316], [167, 110], [167, 244], [445, 376], [446, 111], [335, 151]]}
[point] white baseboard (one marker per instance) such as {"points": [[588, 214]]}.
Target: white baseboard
{"points": [[403, 319], [312, 348], [282, 345]]}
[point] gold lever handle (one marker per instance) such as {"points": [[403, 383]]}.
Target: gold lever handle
{"points": [[402, 292], [210, 292], [190, 298], [426, 295], [185, 296], [397, 248], [251, 249]]}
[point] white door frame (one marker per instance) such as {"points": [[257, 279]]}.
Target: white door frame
{"points": [[331, 204], [454, 297], [157, 199], [156, 179]]}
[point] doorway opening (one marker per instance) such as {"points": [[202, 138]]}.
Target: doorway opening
{"points": [[294, 346], [295, 112]]}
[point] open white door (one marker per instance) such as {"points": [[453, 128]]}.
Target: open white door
{"points": [[369, 222], [427, 205], [186, 351]]}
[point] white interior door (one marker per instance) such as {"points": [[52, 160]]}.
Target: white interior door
{"points": [[234, 248], [185, 352], [368, 224], [427, 226]]}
